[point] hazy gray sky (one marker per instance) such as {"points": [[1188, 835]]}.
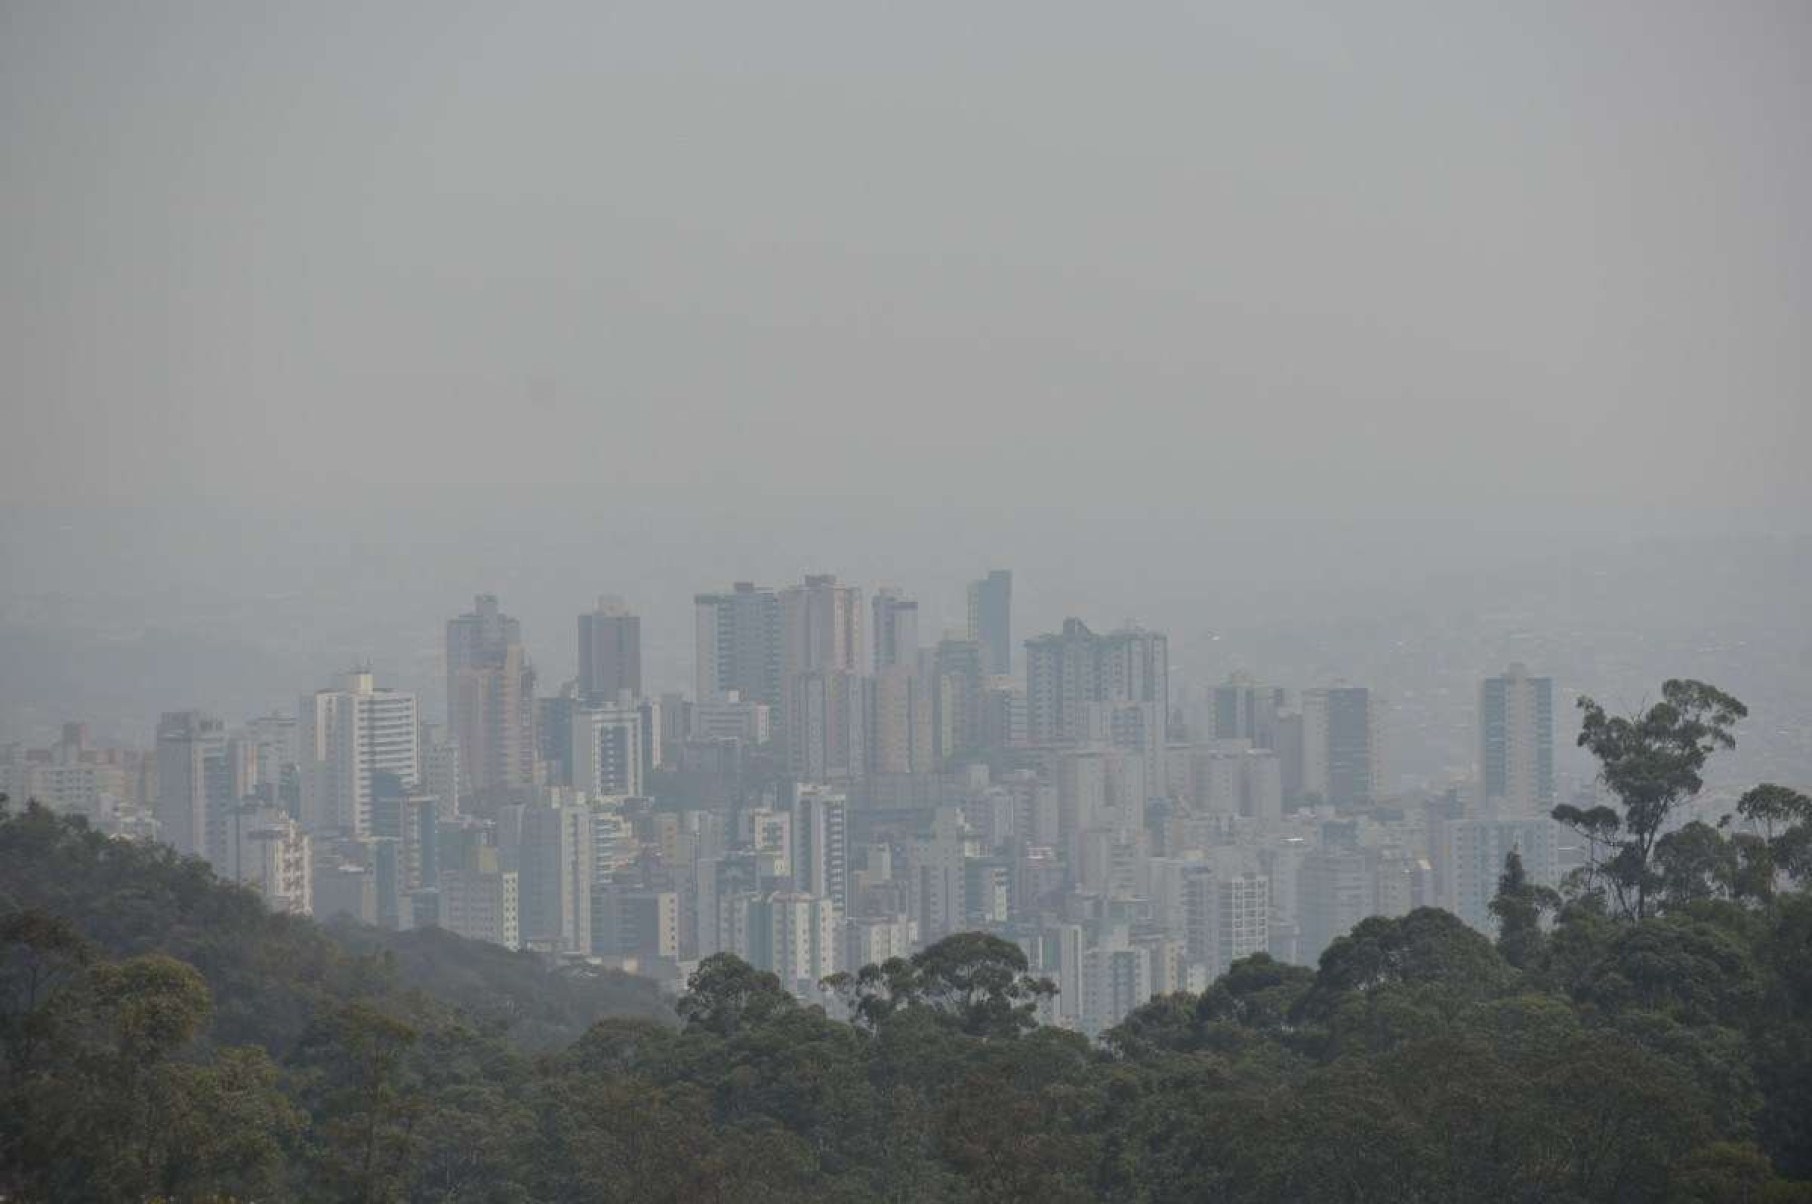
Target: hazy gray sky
{"points": [[1324, 257]]}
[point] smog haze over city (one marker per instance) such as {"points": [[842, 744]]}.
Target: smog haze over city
{"points": [[1138, 489]]}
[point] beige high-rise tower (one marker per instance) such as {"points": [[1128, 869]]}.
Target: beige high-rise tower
{"points": [[822, 661], [490, 699]]}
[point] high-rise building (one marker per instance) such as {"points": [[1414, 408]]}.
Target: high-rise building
{"points": [[186, 742], [823, 721], [1516, 743], [607, 749], [272, 855], [1245, 711], [794, 936], [348, 733], [991, 620], [1227, 915], [440, 767], [277, 740], [490, 699], [730, 718], [821, 845], [957, 679], [739, 645], [935, 876], [1341, 757], [896, 629], [1115, 980], [481, 903], [821, 625], [610, 652], [1067, 670], [554, 867], [1472, 854], [1113, 689], [637, 922], [827, 718], [899, 736], [1336, 888]]}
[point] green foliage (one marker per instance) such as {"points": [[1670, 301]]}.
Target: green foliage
{"points": [[1651, 762], [1519, 906], [1604, 1057], [972, 980]]}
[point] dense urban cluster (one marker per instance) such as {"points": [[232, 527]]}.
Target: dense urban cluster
{"points": [[835, 792]]}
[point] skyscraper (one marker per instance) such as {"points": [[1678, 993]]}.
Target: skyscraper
{"points": [[896, 629], [823, 719], [821, 845], [607, 749], [610, 652], [555, 854], [991, 620], [1516, 743], [900, 714], [822, 627], [1112, 688], [490, 699], [186, 741], [1472, 853], [956, 678], [1341, 762], [739, 645], [1245, 711], [827, 725], [348, 733]]}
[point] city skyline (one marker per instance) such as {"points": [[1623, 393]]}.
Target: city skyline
{"points": [[1135, 836]]}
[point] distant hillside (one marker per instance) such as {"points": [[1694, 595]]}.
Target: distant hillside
{"points": [[271, 974]]}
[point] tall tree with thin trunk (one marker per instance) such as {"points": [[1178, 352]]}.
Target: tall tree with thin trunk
{"points": [[1651, 762]]}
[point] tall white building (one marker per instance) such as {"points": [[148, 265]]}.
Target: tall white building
{"points": [[821, 845], [1336, 888], [1116, 978], [274, 856], [347, 734], [607, 749], [481, 905], [1516, 743], [873, 940], [794, 935], [186, 742], [1472, 854]]}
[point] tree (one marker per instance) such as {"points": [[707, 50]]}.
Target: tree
{"points": [[1779, 841], [365, 1105], [1427, 948], [39, 955], [1651, 762], [1519, 906], [974, 980], [1695, 862], [726, 993]]}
